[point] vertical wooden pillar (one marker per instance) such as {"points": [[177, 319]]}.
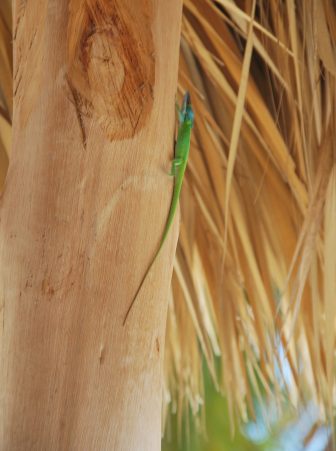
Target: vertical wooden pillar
{"points": [[84, 206]]}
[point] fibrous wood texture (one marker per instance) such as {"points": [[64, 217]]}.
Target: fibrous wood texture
{"points": [[81, 214]]}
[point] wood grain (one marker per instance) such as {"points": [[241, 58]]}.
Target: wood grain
{"points": [[111, 59], [84, 205]]}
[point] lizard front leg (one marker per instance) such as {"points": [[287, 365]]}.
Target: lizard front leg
{"points": [[175, 164]]}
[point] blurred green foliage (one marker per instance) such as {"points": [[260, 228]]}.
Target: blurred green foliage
{"points": [[285, 432], [218, 435]]}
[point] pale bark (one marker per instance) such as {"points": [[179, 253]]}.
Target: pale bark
{"points": [[83, 209]]}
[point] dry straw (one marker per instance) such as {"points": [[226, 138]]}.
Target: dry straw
{"points": [[256, 263]]}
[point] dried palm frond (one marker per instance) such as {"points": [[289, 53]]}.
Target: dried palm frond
{"points": [[256, 265]]}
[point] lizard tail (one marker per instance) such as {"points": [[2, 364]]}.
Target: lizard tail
{"points": [[141, 284]]}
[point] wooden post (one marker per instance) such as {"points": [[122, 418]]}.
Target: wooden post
{"points": [[84, 206]]}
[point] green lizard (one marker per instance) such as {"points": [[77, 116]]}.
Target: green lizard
{"points": [[179, 164]]}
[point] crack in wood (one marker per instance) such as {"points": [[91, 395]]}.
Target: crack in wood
{"points": [[76, 102]]}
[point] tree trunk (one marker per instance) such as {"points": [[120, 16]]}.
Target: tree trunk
{"points": [[84, 206]]}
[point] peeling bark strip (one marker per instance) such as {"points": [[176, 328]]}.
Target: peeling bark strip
{"points": [[107, 40]]}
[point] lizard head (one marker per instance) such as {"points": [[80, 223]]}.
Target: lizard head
{"points": [[187, 111]]}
